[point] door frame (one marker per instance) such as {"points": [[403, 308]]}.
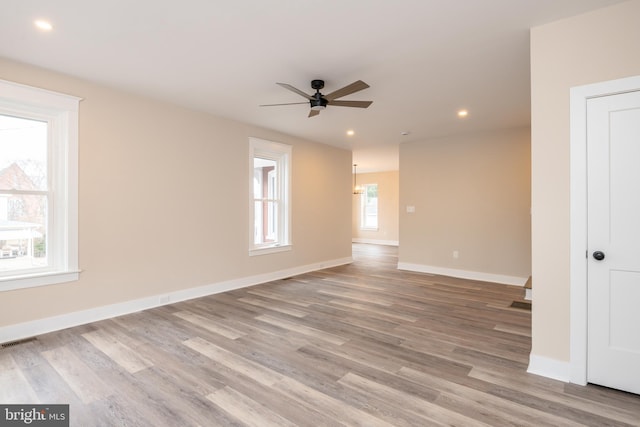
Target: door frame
{"points": [[579, 96]]}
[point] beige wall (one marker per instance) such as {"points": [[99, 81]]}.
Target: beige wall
{"points": [[595, 47], [471, 193], [388, 226], [163, 201]]}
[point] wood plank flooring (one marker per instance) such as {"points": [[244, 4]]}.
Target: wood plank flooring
{"points": [[357, 345]]}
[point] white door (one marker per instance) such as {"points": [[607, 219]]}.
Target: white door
{"points": [[613, 181]]}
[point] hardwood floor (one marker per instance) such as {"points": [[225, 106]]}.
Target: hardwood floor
{"points": [[362, 344]]}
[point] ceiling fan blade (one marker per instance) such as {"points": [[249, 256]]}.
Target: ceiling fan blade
{"points": [[287, 103], [347, 90], [293, 89], [357, 104], [313, 113]]}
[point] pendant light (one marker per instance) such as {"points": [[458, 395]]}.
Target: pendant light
{"points": [[356, 189]]}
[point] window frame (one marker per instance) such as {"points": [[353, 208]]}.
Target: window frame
{"points": [[281, 154], [60, 111], [363, 212]]}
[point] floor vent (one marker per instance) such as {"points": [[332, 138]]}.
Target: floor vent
{"points": [[17, 342]]}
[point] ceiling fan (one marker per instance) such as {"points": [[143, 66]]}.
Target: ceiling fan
{"points": [[319, 101]]}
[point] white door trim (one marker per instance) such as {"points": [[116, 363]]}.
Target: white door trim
{"points": [[578, 216]]}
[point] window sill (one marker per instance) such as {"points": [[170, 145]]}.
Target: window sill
{"points": [[369, 228], [38, 279], [269, 250]]}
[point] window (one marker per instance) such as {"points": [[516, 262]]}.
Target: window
{"points": [[270, 196], [369, 207], [38, 187]]}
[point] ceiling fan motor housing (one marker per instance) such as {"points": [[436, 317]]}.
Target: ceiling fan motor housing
{"points": [[318, 102]]}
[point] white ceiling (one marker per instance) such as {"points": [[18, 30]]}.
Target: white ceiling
{"points": [[424, 59]]}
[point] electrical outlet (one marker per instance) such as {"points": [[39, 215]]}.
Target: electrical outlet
{"points": [[456, 254]]}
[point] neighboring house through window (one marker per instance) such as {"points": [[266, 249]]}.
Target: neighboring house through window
{"points": [[38, 187], [369, 207], [270, 196]]}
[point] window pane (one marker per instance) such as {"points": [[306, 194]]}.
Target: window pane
{"points": [[23, 201], [265, 193], [271, 219], [23, 230], [370, 206], [264, 178], [23, 154], [265, 222], [258, 223]]}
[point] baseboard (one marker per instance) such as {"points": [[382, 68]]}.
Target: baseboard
{"points": [[41, 326], [550, 368], [375, 241], [464, 274]]}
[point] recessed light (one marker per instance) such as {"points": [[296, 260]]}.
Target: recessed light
{"points": [[405, 133], [43, 25], [463, 113], [351, 132]]}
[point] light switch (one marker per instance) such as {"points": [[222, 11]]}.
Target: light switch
{"points": [[411, 209]]}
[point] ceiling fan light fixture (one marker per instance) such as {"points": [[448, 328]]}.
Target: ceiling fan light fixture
{"points": [[357, 189], [318, 104]]}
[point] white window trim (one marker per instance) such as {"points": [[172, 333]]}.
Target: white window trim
{"points": [[280, 153], [61, 112]]}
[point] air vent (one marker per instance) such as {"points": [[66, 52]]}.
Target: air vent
{"points": [[17, 342]]}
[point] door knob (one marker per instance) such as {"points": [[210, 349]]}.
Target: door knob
{"points": [[598, 255]]}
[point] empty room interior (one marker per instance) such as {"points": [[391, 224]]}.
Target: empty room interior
{"points": [[296, 213]]}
